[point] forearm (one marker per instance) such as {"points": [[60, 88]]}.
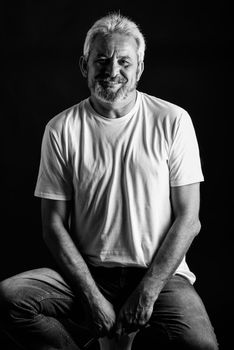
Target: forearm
{"points": [[169, 255], [100, 315], [71, 262]]}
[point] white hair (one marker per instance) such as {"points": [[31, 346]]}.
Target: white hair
{"points": [[115, 23]]}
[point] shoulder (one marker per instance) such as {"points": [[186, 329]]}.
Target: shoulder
{"points": [[67, 119], [162, 110]]}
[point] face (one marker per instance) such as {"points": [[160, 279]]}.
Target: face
{"points": [[112, 69]]}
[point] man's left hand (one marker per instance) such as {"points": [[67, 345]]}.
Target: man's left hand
{"points": [[135, 313]]}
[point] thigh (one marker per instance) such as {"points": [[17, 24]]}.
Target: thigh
{"points": [[37, 301], [36, 291], [180, 318]]}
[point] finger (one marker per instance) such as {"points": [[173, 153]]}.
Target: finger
{"points": [[142, 323], [110, 333], [99, 331], [143, 317], [119, 330]]}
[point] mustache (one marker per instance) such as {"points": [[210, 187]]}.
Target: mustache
{"points": [[116, 80]]}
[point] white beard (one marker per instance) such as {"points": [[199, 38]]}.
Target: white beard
{"points": [[108, 95]]}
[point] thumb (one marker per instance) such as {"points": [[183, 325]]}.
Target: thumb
{"points": [[119, 329]]}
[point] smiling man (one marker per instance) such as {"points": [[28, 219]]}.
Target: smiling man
{"points": [[113, 70], [119, 181]]}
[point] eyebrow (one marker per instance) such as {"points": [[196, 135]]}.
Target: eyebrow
{"points": [[120, 57], [126, 57]]}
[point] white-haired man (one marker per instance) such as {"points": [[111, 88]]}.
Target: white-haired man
{"points": [[119, 181]]}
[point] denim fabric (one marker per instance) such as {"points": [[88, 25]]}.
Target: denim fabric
{"points": [[40, 312]]}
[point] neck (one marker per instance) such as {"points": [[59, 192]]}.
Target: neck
{"points": [[113, 110]]}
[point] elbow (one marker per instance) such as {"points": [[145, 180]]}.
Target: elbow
{"points": [[48, 233], [53, 233], [196, 227], [192, 227]]}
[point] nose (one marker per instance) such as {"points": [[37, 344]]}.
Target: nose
{"points": [[113, 68]]}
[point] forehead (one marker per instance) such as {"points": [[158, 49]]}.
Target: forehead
{"points": [[121, 44]]}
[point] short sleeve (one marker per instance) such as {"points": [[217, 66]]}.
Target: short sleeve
{"points": [[184, 158], [54, 177]]}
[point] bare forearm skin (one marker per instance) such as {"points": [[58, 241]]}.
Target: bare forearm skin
{"points": [[100, 314], [71, 261], [169, 255]]}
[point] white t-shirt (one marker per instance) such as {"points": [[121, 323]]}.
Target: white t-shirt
{"points": [[118, 172]]}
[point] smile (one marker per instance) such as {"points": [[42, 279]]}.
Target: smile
{"points": [[111, 83]]}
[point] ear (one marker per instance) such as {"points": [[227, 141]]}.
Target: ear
{"points": [[140, 69], [83, 66]]}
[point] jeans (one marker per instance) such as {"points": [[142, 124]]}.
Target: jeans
{"points": [[39, 311]]}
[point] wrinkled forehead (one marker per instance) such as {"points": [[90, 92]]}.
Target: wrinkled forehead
{"points": [[116, 43]]}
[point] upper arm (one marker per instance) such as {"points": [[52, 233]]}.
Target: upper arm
{"points": [[184, 158], [55, 212], [55, 173], [186, 201]]}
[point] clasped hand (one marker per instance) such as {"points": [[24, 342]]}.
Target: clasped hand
{"points": [[134, 314]]}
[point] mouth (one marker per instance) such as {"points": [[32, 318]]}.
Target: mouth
{"points": [[111, 83]]}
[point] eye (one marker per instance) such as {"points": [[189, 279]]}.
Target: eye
{"points": [[101, 61], [125, 63]]}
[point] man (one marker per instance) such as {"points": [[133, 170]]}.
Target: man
{"points": [[119, 181]]}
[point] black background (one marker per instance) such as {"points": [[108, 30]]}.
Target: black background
{"points": [[188, 62]]}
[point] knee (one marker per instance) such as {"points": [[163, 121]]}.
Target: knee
{"points": [[206, 345], [8, 290], [12, 299], [7, 297], [161, 339], [198, 342], [6, 293], [4, 302]]}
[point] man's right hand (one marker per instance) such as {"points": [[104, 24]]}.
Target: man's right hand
{"points": [[101, 316], [55, 221]]}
